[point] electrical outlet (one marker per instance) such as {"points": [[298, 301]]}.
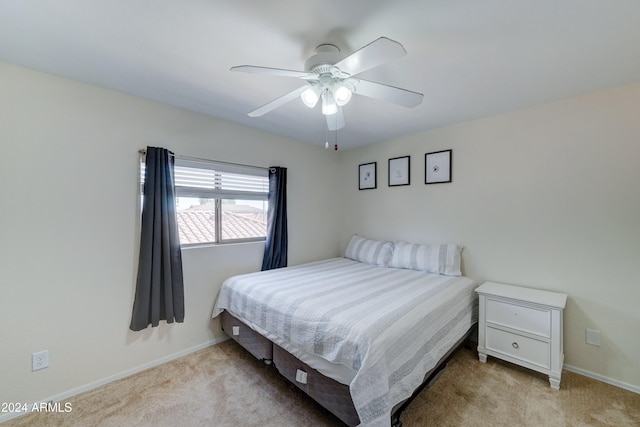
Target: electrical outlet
{"points": [[593, 337], [40, 360]]}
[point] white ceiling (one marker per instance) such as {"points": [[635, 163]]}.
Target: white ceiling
{"points": [[470, 58]]}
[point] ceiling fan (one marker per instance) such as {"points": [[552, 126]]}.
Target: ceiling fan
{"points": [[329, 78]]}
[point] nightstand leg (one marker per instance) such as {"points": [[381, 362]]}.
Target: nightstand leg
{"points": [[482, 357], [555, 383]]}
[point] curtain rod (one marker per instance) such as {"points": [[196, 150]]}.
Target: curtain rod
{"points": [[198, 159]]}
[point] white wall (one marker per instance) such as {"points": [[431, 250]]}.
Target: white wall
{"points": [[69, 227], [546, 197]]}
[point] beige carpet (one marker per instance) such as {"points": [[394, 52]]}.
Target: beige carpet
{"points": [[225, 386]]}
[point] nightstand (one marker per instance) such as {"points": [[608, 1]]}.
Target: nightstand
{"points": [[522, 326]]}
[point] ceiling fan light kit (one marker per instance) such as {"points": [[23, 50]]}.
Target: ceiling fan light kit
{"points": [[334, 93], [329, 77]]}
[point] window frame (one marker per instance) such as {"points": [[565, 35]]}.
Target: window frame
{"points": [[246, 188]]}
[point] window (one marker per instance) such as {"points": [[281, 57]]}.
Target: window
{"points": [[220, 202]]}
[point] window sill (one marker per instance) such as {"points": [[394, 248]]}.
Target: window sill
{"points": [[222, 244]]}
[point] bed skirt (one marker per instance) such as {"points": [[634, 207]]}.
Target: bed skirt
{"points": [[332, 395], [252, 341]]}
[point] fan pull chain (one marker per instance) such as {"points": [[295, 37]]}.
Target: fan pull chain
{"points": [[326, 138], [335, 146]]}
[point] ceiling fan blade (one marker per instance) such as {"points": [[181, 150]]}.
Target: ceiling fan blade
{"points": [[278, 102], [275, 72], [336, 121], [388, 93], [372, 55]]}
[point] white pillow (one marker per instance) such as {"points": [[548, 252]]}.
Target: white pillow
{"points": [[373, 252], [438, 259]]}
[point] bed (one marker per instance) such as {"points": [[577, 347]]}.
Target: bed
{"points": [[359, 333]]}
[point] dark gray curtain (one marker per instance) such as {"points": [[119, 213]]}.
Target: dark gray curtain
{"points": [[275, 251], [159, 287]]}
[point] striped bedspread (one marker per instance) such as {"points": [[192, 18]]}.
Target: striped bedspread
{"points": [[389, 325]]}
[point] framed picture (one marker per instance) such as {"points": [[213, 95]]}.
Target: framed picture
{"points": [[437, 167], [367, 173], [399, 171]]}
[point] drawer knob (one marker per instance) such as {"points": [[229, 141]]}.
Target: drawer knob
{"points": [[515, 345]]}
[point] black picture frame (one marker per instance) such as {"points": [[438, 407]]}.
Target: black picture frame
{"points": [[399, 171], [367, 176], [438, 167]]}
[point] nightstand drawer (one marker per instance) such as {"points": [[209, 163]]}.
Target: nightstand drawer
{"points": [[536, 321], [522, 348]]}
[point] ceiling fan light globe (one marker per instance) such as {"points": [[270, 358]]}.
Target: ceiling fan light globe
{"points": [[329, 105], [310, 97], [329, 109], [342, 94]]}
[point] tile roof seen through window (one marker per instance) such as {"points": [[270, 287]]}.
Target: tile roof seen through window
{"points": [[198, 226]]}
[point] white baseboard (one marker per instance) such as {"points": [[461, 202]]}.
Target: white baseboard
{"points": [[603, 379], [67, 394]]}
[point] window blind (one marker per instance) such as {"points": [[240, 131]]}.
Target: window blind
{"points": [[210, 179]]}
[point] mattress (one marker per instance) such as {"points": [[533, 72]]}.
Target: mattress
{"points": [[388, 326]]}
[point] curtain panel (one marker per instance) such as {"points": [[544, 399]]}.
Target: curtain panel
{"points": [[275, 251], [159, 286]]}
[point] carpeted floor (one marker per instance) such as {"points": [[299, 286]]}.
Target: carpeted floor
{"points": [[225, 386]]}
